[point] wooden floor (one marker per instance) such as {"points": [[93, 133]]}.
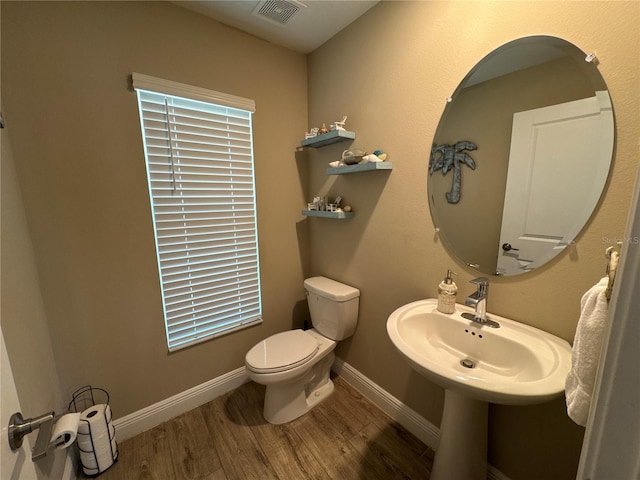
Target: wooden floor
{"points": [[343, 438]]}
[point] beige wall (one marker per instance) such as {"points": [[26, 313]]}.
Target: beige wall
{"points": [[79, 162], [78, 153], [391, 72]]}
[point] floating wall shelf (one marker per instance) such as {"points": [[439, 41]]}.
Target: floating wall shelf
{"points": [[319, 213], [328, 138], [360, 167]]}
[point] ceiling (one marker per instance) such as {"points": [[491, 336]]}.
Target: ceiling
{"points": [[301, 26]]}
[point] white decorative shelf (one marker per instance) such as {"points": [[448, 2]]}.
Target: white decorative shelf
{"points": [[328, 138], [319, 213], [360, 167]]}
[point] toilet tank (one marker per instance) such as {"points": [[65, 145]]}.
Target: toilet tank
{"points": [[333, 307]]}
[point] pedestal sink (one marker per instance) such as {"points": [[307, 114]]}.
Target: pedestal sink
{"points": [[513, 365]]}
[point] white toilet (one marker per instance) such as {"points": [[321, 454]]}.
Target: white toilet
{"points": [[295, 365]]}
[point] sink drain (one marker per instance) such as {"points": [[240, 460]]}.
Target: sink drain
{"points": [[467, 363]]}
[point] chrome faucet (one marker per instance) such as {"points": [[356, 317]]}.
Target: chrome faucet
{"points": [[478, 299]]}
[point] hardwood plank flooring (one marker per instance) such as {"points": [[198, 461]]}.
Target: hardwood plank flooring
{"points": [[345, 437]]}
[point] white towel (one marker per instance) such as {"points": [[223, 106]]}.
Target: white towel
{"points": [[585, 356]]}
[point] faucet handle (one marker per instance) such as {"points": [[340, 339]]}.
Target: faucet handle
{"points": [[483, 286]]}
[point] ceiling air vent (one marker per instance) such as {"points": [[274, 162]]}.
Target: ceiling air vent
{"points": [[278, 11]]}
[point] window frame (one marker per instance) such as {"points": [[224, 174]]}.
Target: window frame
{"points": [[189, 176]]}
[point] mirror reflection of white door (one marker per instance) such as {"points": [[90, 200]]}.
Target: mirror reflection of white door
{"points": [[13, 465], [538, 174]]}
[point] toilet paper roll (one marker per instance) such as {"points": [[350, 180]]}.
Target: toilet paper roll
{"points": [[87, 442], [65, 430], [95, 419], [96, 439], [96, 462]]}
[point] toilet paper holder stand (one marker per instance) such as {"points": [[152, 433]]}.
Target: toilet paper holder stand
{"points": [[19, 427]]}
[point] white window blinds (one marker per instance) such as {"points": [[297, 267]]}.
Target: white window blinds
{"points": [[199, 158]]}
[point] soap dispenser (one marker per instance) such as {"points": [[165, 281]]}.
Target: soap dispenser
{"points": [[447, 291]]}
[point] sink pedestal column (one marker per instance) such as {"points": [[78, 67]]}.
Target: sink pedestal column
{"points": [[462, 448]]}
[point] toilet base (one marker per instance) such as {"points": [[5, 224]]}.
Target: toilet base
{"points": [[285, 403]]}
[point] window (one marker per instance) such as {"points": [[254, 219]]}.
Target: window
{"points": [[199, 154]]}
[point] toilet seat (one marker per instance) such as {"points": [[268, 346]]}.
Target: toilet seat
{"points": [[282, 351]]}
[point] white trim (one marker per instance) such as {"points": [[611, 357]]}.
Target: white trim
{"points": [[153, 415], [494, 474], [70, 463], [427, 432], [168, 87]]}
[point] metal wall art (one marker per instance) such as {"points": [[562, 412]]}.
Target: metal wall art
{"points": [[444, 157]]}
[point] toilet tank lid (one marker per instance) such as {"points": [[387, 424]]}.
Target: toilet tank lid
{"points": [[327, 288]]}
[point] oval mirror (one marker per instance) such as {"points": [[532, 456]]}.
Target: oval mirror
{"points": [[521, 156]]}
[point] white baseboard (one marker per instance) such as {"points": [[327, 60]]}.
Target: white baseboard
{"points": [[427, 432], [405, 416], [70, 463], [494, 474], [153, 415]]}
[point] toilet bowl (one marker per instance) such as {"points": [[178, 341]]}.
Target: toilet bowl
{"points": [[288, 376], [295, 365]]}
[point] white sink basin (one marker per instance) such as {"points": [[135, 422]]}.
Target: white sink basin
{"points": [[515, 364]]}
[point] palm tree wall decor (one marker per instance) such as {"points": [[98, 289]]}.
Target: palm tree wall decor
{"points": [[444, 157]]}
